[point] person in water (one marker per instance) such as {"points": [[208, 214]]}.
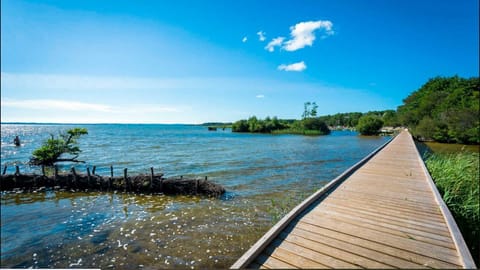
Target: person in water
{"points": [[16, 141]]}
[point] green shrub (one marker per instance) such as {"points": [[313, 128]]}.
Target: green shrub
{"points": [[51, 150], [369, 125]]}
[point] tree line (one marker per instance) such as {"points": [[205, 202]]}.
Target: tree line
{"points": [[306, 126], [445, 109]]}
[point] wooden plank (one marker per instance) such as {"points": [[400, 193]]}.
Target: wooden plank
{"points": [[405, 205], [413, 234], [385, 206], [438, 227], [273, 263], [406, 243], [303, 258], [333, 257], [371, 202], [383, 220], [376, 246], [394, 213], [403, 202], [380, 257], [395, 229]]}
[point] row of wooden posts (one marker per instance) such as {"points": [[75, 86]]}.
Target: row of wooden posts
{"points": [[17, 171], [137, 183]]}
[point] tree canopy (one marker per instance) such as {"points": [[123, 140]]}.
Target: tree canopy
{"points": [[51, 150], [369, 124], [445, 109]]}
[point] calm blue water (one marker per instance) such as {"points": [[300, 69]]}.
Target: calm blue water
{"points": [[263, 174]]}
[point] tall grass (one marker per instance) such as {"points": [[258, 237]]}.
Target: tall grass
{"points": [[457, 178]]}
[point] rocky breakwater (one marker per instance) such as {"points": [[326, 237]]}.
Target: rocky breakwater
{"points": [[142, 183]]}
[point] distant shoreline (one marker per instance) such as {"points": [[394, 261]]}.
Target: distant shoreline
{"points": [[68, 124]]}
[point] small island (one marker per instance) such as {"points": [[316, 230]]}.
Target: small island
{"points": [[308, 125]]}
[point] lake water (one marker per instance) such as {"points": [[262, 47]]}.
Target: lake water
{"points": [[264, 175]]}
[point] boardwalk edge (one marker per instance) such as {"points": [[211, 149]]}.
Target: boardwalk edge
{"points": [[464, 254]]}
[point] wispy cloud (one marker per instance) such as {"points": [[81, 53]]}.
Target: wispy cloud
{"points": [[244, 39], [260, 96], [62, 82], [300, 66], [261, 36], [66, 105], [52, 104], [303, 34], [276, 42]]}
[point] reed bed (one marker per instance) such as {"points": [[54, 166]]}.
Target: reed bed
{"points": [[457, 178]]}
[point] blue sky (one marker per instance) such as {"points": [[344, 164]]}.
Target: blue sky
{"points": [[198, 61]]}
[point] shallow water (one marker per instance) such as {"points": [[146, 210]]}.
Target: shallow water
{"points": [[114, 230]]}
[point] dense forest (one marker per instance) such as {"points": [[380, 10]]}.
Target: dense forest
{"points": [[444, 110]]}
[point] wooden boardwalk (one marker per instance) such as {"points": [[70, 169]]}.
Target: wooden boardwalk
{"points": [[384, 212]]}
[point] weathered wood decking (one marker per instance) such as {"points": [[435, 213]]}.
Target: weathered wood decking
{"points": [[384, 212]]}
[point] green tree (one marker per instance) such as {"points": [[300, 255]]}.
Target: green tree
{"points": [[450, 106], [426, 127], [306, 110], [53, 148], [313, 111], [240, 126], [369, 125], [315, 124]]}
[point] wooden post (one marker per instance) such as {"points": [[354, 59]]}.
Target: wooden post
{"points": [[43, 170], [17, 170], [88, 176], [111, 177], [4, 170], [206, 178], [125, 178], [151, 178], [74, 173], [55, 174], [93, 170], [160, 189]]}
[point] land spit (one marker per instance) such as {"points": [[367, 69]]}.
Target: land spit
{"points": [[141, 183]]}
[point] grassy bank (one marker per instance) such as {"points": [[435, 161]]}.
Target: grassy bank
{"points": [[457, 178]]}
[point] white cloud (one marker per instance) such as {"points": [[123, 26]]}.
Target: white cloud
{"points": [[52, 104], [275, 42], [244, 39], [260, 96], [261, 36], [303, 34], [300, 66]]}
